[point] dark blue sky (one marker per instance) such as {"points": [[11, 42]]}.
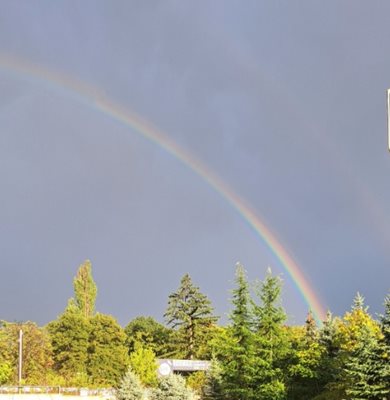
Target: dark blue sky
{"points": [[286, 102]]}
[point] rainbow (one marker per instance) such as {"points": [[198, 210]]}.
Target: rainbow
{"points": [[93, 98]]}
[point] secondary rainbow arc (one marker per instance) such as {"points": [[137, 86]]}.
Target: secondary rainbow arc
{"points": [[93, 98]]}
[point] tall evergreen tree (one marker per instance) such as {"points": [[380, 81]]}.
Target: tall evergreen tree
{"points": [[191, 312], [85, 289], [367, 371], [355, 328], [236, 348], [385, 323], [270, 338]]}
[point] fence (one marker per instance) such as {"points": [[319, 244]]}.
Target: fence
{"points": [[70, 391]]}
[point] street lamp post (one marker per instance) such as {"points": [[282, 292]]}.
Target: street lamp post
{"points": [[20, 357]]}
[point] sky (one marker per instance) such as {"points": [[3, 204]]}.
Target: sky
{"points": [[282, 102]]}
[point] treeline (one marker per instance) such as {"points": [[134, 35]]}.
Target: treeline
{"points": [[256, 356]]}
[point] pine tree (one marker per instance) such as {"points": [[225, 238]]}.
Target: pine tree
{"points": [[385, 323], [85, 289], [213, 389], [270, 338], [236, 349], [355, 329], [172, 387], [366, 370], [191, 312], [130, 387]]}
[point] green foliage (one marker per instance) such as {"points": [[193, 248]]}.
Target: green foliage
{"points": [[271, 341], [172, 387], [385, 323], [196, 381], [5, 372], [143, 363], [107, 353], [213, 385], [85, 289], [365, 369], [148, 333], [130, 387], [37, 353], [236, 351], [190, 312], [70, 340], [304, 362]]}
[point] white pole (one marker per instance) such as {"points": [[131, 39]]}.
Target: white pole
{"points": [[20, 356]]}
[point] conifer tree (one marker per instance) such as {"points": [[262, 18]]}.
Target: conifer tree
{"points": [[237, 355], [172, 387], [357, 327], [270, 338], [213, 389], [130, 387], [85, 289], [365, 369], [190, 311], [385, 323]]}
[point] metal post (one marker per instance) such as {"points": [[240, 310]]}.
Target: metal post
{"points": [[20, 356]]}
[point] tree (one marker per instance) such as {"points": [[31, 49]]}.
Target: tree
{"points": [[191, 312], [304, 359], [148, 333], [235, 349], [143, 363], [367, 371], [107, 353], [270, 338], [213, 388], [172, 387], [85, 289], [355, 328], [385, 323], [37, 360], [130, 387], [70, 340]]}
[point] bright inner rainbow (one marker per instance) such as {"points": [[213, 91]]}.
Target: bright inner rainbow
{"points": [[93, 98]]}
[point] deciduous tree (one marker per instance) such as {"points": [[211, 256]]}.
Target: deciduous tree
{"points": [[85, 289], [143, 363], [69, 335], [107, 352]]}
